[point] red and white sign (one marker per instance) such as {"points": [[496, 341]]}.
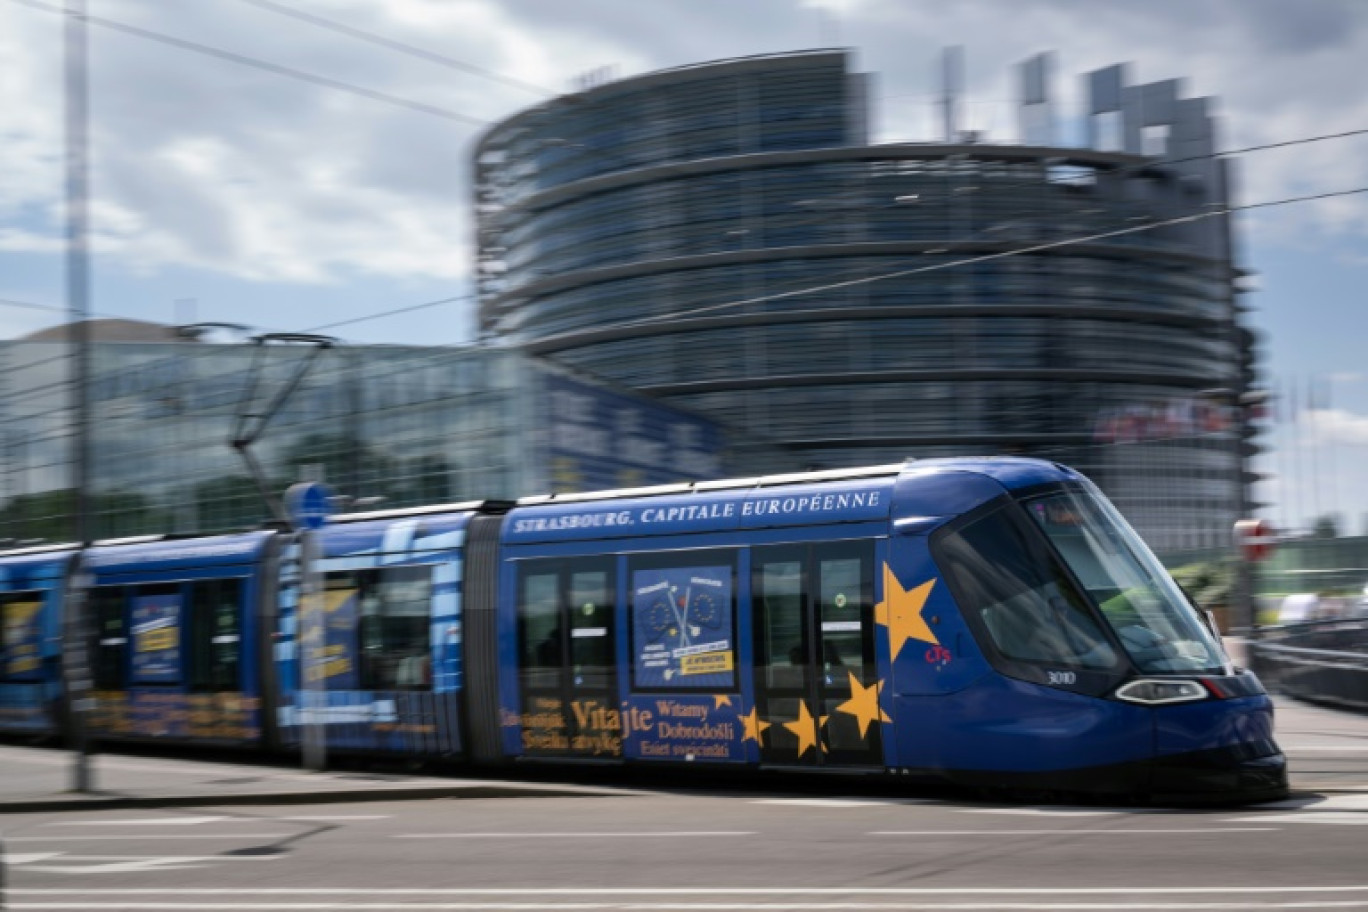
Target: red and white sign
{"points": [[1255, 538]]}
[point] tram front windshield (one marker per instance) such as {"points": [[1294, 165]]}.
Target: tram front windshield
{"points": [[1151, 616]]}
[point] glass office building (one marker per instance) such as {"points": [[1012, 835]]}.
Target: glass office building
{"points": [[727, 238], [383, 426]]}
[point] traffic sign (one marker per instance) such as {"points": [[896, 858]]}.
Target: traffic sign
{"points": [[308, 504], [1255, 538]]}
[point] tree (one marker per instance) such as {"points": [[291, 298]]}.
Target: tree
{"points": [[1326, 526]]}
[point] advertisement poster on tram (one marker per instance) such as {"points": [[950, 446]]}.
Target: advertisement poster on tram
{"points": [[21, 643], [682, 628], [333, 660], [156, 639]]}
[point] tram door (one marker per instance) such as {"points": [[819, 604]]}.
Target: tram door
{"points": [[567, 659], [816, 678]]}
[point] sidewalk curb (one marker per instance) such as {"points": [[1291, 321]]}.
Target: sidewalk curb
{"points": [[112, 802]]}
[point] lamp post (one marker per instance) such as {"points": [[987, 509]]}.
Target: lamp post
{"points": [[78, 307]]}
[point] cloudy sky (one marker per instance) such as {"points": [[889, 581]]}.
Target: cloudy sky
{"points": [[234, 179]]}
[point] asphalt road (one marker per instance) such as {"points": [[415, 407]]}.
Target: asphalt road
{"points": [[694, 850], [700, 848]]}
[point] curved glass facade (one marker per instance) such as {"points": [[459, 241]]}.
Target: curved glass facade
{"points": [[725, 238], [385, 426]]}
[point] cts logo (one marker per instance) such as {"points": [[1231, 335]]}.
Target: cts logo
{"points": [[938, 655]]}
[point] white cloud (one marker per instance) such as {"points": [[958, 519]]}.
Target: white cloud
{"points": [[1328, 427], [206, 164]]}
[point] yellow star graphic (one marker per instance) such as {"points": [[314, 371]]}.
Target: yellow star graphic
{"points": [[864, 705], [721, 700], [900, 612], [754, 726], [805, 730]]}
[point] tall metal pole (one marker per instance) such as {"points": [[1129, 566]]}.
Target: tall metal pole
{"points": [[313, 641], [78, 306]]}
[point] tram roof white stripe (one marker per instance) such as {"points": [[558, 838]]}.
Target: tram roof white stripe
{"points": [[725, 484]]}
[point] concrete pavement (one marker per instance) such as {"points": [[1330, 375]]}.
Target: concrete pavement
{"points": [[40, 779]]}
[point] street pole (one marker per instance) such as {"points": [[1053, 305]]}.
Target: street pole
{"points": [[78, 306], [313, 660]]}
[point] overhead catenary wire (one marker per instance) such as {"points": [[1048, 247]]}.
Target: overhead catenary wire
{"points": [[400, 46], [266, 66], [792, 293]]}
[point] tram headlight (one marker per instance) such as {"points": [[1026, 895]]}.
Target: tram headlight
{"points": [[1157, 691]]}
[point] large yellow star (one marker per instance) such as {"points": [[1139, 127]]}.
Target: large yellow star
{"points": [[804, 728], [864, 705], [900, 612], [754, 726]]}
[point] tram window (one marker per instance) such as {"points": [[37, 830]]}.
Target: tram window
{"points": [[591, 619], [847, 590], [781, 588], [539, 624], [1031, 609], [21, 636], [683, 622], [111, 637], [215, 635], [395, 628]]}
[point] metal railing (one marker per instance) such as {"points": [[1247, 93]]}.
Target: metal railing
{"points": [[1321, 661]]}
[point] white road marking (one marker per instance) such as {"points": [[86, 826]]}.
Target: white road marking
{"points": [[122, 864], [1325, 748], [326, 818], [825, 802], [1318, 803], [142, 821], [27, 858], [1087, 833], [1041, 812], [1336, 818], [196, 821], [732, 906], [142, 837], [1317, 889], [575, 835], [183, 857]]}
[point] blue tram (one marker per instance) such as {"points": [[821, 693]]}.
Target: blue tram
{"points": [[984, 621], [32, 585]]}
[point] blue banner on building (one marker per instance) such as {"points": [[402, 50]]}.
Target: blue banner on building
{"points": [[598, 439]]}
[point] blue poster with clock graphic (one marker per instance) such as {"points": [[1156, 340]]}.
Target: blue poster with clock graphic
{"points": [[682, 628]]}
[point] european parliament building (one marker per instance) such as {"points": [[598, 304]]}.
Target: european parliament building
{"points": [[728, 238]]}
